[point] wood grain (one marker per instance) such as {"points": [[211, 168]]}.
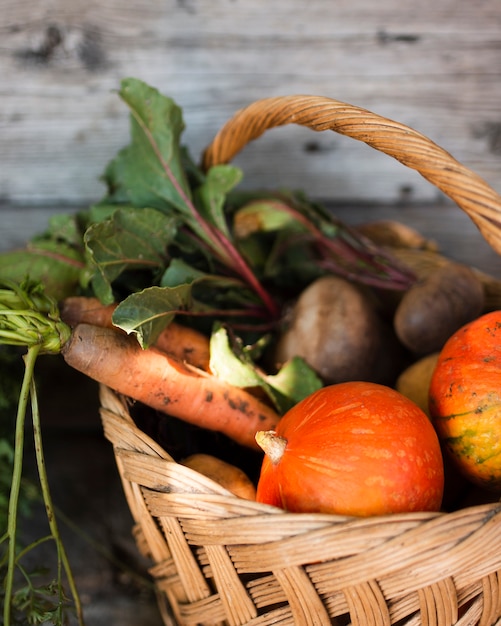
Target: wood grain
{"points": [[433, 66]]}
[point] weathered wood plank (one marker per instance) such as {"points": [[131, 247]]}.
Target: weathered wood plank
{"points": [[434, 66]]}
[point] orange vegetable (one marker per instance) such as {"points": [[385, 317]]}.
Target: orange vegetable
{"points": [[182, 342], [225, 474], [166, 384], [465, 399], [354, 448]]}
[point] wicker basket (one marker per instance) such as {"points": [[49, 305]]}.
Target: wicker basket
{"points": [[219, 559]]}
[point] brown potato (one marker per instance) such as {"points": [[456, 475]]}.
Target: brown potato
{"points": [[395, 234], [438, 305], [228, 476], [335, 327], [414, 381]]}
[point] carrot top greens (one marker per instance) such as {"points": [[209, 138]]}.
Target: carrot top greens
{"points": [[168, 238]]}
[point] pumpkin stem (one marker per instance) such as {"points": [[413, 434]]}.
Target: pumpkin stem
{"points": [[272, 444]]}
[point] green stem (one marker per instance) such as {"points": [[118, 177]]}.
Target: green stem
{"points": [[221, 245], [51, 517], [33, 546], [30, 359]]}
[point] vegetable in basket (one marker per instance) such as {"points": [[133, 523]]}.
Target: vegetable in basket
{"points": [[225, 474], [414, 381], [465, 400], [165, 383], [180, 341], [436, 306], [337, 329], [354, 448], [170, 241], [152, 376]]}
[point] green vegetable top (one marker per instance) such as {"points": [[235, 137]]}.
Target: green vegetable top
{"points": [[169, 239]]}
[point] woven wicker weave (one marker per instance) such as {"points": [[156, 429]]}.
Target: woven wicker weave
{"points": [[219, 559]]}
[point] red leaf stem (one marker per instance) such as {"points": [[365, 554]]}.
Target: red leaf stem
{"points": [[393, 274], [222, 246]]}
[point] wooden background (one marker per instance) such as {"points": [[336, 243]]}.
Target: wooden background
{"points": [[434, 65]]}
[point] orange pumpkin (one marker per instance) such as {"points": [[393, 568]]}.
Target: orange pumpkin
{"points": [[354, 448], [465, 399]]}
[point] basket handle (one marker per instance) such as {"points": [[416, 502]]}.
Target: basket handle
{"points": [[470, 192]]}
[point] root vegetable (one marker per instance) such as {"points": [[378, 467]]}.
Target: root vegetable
{"points": [[166, 384], [225, 474], [414, 381], [394, 234], [182, 342], [336, 329], [434, 308]]}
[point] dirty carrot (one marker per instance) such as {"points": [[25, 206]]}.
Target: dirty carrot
{"points": [[184, 343], [166, 384]]}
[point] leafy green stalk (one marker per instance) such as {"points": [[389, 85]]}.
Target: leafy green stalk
{"points": [[11, 534], [219, 242], [233, 362], [62, 557], [340, 249], [161, 207], [30, 318]]}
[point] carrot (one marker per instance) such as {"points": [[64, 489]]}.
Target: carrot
{"points": [[229, 476], [166, 384], [81, 309], [182, 342]]}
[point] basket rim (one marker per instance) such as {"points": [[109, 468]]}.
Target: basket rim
{"points": [[468, 190], [230, 552], [129, 441]]}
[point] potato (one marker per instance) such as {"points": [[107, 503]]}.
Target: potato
{"points": [[414, 381], [395, 234], [438, 305], [335, 327], [228, 476]]}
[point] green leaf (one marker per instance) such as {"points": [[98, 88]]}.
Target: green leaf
{"points": [[225, 364], [129, 239], [261, 216], [53, 263], [180, 272], [210, 196], [221, 295], [148, 312], [140, 173], [63, 228], [295, 380], [100, 212], [290, 263], [231, 362]]}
